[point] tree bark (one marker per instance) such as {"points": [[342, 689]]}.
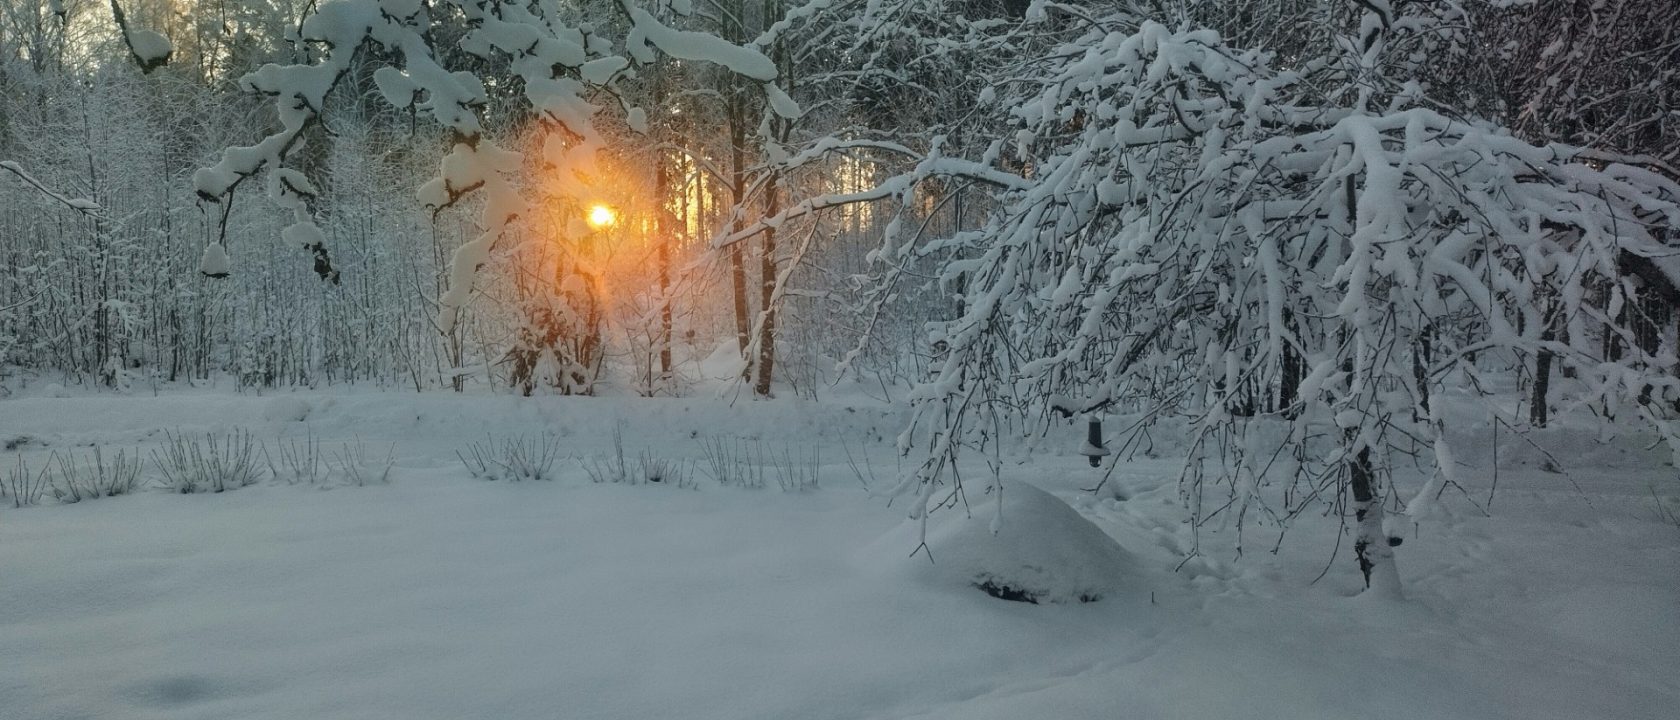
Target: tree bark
{"points": [[765, 367], [737, 189], [1371, 543], [767, 279], [1538, 411]]}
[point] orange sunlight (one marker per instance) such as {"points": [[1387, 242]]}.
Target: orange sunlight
{"points": [[601, 216]]}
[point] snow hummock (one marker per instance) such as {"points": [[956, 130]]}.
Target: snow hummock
{"points": [[286, 409], [1039, 550]]}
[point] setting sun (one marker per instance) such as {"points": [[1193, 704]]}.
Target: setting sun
{"points": [[601, 216]]}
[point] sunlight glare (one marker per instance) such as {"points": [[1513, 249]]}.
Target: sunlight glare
{"points": [[601, 216]]}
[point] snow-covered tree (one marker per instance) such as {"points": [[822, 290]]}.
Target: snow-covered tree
{"points": [[1295, 263], [557, 63]]}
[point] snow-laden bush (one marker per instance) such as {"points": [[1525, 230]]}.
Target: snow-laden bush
{"points": [[520, 457], [74, 477], [750, 464], [665, 471], [23, 486], [300, 460], [733, 461], [211, 463], [357, 467]]}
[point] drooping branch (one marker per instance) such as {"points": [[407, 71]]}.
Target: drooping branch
{"points": [[81, 205]]}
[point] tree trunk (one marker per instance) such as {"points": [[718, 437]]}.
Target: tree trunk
{"points": [[1423, 354], [1538, 409], [767, 291], [767, 279], [1371, 544], [665, 232], [1293, 370], [737, 190]]}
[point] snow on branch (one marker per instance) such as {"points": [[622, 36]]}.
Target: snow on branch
{"points": [[150, 49], [81, 205]]}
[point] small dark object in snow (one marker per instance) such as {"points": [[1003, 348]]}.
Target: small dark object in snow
{"points": [[17, 442], [1005, 592], [1395, 541]]}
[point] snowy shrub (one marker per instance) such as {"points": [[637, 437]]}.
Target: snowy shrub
{"points": [[212, 463], [357, 468], [648, 468], [665, 471], [860, 466], [749, 464], [521, 457], [734, 461], [301, 461], [24, 487], [75, 478], [797, 468], [609, 467]]}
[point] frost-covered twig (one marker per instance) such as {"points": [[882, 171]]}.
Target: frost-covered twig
{"points": [[611, 467], [23, 486]]}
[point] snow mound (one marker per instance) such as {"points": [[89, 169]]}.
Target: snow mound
{"points": [[286, 409], [1043, 551]]}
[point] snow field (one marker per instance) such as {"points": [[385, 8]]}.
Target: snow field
{"points": [[441, 596]]}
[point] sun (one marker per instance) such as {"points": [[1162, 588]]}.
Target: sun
{"points": [[601, 216]]}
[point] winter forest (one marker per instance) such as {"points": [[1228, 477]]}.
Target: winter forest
{"points": [[839, 359]]}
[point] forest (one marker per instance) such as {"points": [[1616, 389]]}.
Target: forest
{"points": [[1336, 340]]}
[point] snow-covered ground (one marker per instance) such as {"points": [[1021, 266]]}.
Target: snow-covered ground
{"points": [[436, 595]]}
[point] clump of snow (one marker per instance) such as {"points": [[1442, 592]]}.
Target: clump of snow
{"points": [[151, 49], [601, 70], [781, 103], [150, 46], [1041, 551], [396, 86], [286, 409], [697, 46], [214, 263]]}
